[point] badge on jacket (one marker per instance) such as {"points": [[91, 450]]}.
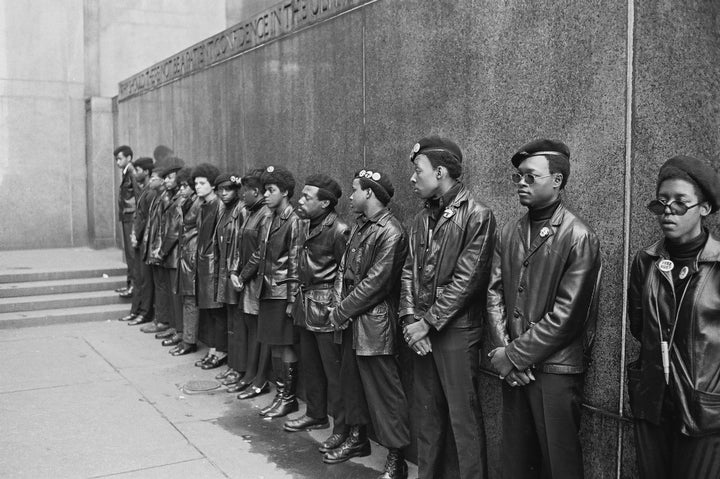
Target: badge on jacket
{"points": [[544, 232], [666, 265], [449, 212]]}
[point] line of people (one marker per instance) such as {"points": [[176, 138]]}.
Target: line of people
{"points": [[281, 286]]}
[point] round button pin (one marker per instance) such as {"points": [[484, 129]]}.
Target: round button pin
{"points": [[666, 265]]}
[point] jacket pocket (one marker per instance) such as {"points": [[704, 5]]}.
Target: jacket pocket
{"points": [[317, 307], [374, 328], [706, 409]]}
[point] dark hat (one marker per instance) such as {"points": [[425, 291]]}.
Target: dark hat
{"points": [[161, 152], [232, 179], [377, 181], [698, 172], [277, 175], [144, 162], [543, 147], [253, 179], [184, 175], [205, 170], [171, 165], [324, 182], [437, 144]]}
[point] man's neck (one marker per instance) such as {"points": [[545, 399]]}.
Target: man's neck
{"points": [[443, 188], [373, 209], [211, 196]]}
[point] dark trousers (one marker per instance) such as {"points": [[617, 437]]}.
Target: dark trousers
{"points": [[238, 336], [541, 424], [386, 400], [353, 395], [320, 360], [176, 303], [665, 453], [129, 251], [191, 319], [163, 295], [447, 401], [144, 293], [217, 328]]}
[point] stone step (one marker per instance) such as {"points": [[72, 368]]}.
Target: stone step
{"points": [[20, 276], [58, 286], [45, 317], [57, 301]]}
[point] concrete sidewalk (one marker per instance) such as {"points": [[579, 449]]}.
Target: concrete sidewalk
{"points": [[101, 399]]}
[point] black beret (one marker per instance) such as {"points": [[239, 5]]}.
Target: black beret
{"points": [[699, 172], [368, 178], [170, 165], [542, 147], [234, 179], [324, 182], [184, 175], [144, 162], [436, 144], [205, 170], [277, 175]]}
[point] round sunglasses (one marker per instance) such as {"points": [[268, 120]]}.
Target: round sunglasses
{"points": [[678, 208]]}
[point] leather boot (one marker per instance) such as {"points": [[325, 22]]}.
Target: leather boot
{"points": [[395, 466], [288, 401], [356, 445], [278, 397]]}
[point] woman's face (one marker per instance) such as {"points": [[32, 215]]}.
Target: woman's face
{"points": [[681, 228], [274, 196]]}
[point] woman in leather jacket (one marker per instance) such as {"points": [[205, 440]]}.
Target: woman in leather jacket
{"points": [[674, 312]]}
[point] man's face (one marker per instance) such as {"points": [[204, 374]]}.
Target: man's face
{"points": [[424, 179], [227, 194], [156, 181], [202, 186], [545, 188], [185, 190], [274, 196], [121, 160], [140, 173], [171, 181], [309, 205], [249, 195], [358, 197], [685, 227]]}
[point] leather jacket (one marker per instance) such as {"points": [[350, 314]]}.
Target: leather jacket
{"points": [[228, 233], [276, 259], [171, 229], [129, 190], [207, 261], [542, 297], [152, 236], [142, 211], [445, 281], [368, 283], [694, 387], [321, 250], [187, 265], [249, 240]]}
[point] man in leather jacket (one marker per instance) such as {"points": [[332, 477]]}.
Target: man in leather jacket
{"points": [[368, 290], [127, 198], [322, 239], [442, 304], [542, 309]]}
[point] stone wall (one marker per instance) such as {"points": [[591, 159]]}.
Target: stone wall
{"points": [[359, 88]]}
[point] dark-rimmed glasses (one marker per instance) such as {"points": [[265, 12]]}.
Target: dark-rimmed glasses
{"points": [[528, 178], [678, 208]]}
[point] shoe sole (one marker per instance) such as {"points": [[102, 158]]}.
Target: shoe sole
{"points": [[362, 453], [306, 428]]}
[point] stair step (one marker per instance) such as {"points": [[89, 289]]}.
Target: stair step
{"points": [[45, 317], [51, 275], [58, 286], [56, 301]]}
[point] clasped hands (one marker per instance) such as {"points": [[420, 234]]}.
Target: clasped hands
{"points": [[508, 371], [415, 335], [236, 283]]}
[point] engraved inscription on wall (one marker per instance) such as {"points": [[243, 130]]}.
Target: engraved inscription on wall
{"points": [[275, 22]]}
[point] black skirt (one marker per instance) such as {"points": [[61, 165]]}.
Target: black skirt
{"points": [[275, 328]]}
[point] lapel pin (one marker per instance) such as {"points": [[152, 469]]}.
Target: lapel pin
{"points": [[666, 265], [544, 232], [449, 212], [684, 272]]}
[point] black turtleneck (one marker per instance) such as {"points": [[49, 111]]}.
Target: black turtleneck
{"points": [[314, 222], [683, 255], [437, 206], [540, 216]]}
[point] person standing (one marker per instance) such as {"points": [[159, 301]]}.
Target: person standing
{"points": [[323, 237], [368, 292], [673, 309], [228, 233], [206, 279], [143, 293], [276, 262], [126, 208], [442, 304], [542, 310], [256, 214]]}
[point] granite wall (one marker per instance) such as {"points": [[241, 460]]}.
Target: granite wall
{"points": [[360, 88]]}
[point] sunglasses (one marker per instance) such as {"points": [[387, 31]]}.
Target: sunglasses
{"points": [[678, 208], [528, 178]]}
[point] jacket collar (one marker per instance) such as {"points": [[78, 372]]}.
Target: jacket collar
{"points": [[710, 252], [381, 217], [546, 233], [326, 223], [285, 214]]}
